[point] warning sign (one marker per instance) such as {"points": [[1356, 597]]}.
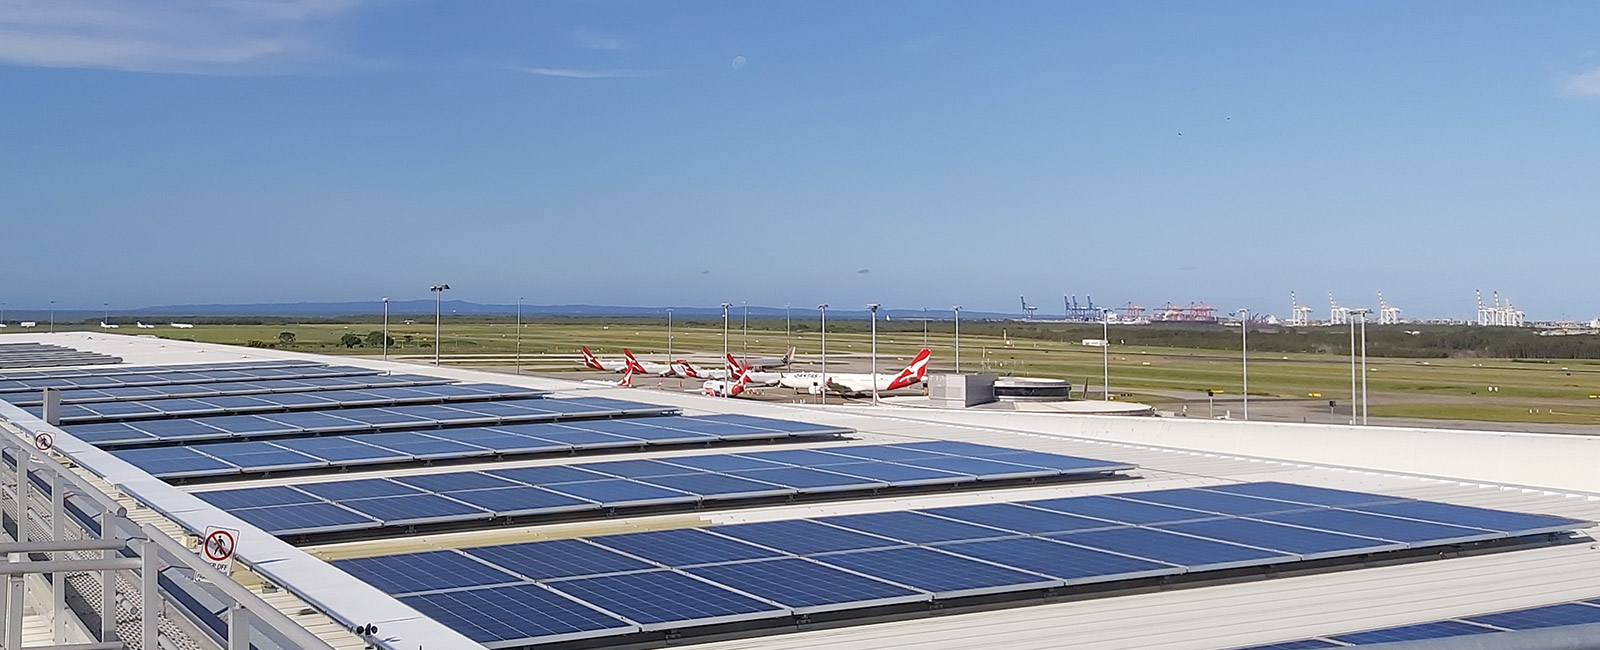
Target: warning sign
{"points": [[219, 546], [44, 441]]}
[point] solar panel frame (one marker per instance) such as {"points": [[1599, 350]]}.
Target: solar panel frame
{"points": [[811, 481], [416, 509], [807, 587], [305, 518], [560, 558], [427, 571], [623, 493], [1432, 630], [542, 615], [803, 536], [1540, 617], [1069, 563], [1514, 524], [665, 599], [683, 547], [1193, 553], [945, 575], [523, 500], [914, 527], [1408, 531], [1307, 543]]}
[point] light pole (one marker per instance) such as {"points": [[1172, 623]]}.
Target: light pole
{"points": [[1244, 358], [924, 327], [52, 317], [822, 394], [106, 319], [873, 307], [786, 341], [519, 335], [385, 328], [669, 338], [1353, 394], [745, 338], [1363, 313], [1105, 355], [725, 307], [438, 290], [957, 309]]}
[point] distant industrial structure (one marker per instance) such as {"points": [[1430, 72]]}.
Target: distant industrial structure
{"points": [[1337, 314], [1028, 310], [1299, 315], [1087, 313], [1498, 315], [1387, 314], [1194, 312]]}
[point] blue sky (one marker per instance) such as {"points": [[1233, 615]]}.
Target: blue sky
{"points": [[912, 153]]}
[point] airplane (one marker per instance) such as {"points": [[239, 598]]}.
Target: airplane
{"points": [[625, 382], [757, 378], [646, 367], [724, 388], [768, 363], [609, 366], [144, 326], [105, 326], [183, 326], [687, 370], [853, 385]]}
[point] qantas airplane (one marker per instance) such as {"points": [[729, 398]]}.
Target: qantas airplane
{"points": [[768, 363], [852, 385], [144, 326], [625, 382], [646, 367], [687, 370], [609, 366], [725, 388], [757, 378]]}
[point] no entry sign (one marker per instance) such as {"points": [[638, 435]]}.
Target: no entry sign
{"points": [[219, 546], [44, 441]]}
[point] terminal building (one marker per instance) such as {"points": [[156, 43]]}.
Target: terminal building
{"points": [[168, 494]]}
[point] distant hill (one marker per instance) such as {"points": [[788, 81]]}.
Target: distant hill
{"points": [[413, 307]]}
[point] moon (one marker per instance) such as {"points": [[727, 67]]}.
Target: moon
{"points": [[738, 62]]}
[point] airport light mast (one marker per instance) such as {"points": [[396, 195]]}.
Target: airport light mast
{"points": [[822, 395], [385, 328], [1244, 359], [52, 317], [957, 309], [519, 335], [873, 307], [438, 290], [1363, 314], [1105, 355], [669, 344], [725, 307]]}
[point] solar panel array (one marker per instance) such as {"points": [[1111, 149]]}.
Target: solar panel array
{"points": [[541, 592], [288, 401], [370, 503], [225, 389], [20, 383], [203, 459], [1532, 618], [33, 355]]}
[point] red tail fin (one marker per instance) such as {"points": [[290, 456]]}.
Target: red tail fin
{"points": [[627, 379], [633, 364], [734, 365], [913, 373], [589, 360]]}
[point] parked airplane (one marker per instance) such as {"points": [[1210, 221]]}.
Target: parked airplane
{"points": [[687, 370], [144, 326], [183, 326], [725, 388], [768, 363], [852, 385], [609, 366], [105, 326], [757, 378], [646, 367], [625, 382]]}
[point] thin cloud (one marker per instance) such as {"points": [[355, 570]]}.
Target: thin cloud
{"points": [[182, 36], [575, 73], [1586, 84], [863, 271], [590, 40]]}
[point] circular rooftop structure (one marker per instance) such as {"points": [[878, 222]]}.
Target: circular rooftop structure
{"points": [[1032, 389]]}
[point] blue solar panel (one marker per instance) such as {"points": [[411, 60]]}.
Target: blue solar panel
{"points": [[500, 441], [304, 517], [1119, 510], [914, 527], [314, 421], [1289, 539], [1435, 630], [1306, 644], [562, 558], [577, 437], [622, 492], [179, 429], [1218, 502], [1022, 519], [883, 452], [1197, 554], [723, 463], [423, 445], [1541, 617], [1070, 563], [1515, 523], [108, 434], [802, 584], [1381, 527], [637, 468], [427, 571], [957, 448], [943, 574], [802, 457], [897, 474], [1303, 494], [803, 537], [547, 474], [515, 501], [683, 547], [454, 481], [985, 468], [358, 489], [714, 486], [255, 497], [248, 425], [811, 480], [173, 462], [415, 508], [513, 613], [658, 597], [260, 456], [770, 424], [343, 451], [1060, 462]]}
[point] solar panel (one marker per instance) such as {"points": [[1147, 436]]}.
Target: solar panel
{"points": [[357, 489], [562, 558], [803, 537], [1307, 644], [683, 547], [422, 446], [637, 468], [717, 486], [1303, 494], [1382, 527], [811, 480], [255, 497], [1305, 542], [174, 462], [619, 493], [657, 599], [792, 427], [806, 586], [523, 500], [343, 451], [943, 574], [722, 463], [414, 509], [1072, 564], [1541, 617], [262, 457], [1195, 553], [1513, 523], [514, 613], [913, 527], [305, 517], [988, 469], [1120, 510], [111, 432], [882, 452], [897, 475], [1021, 519], [454, 481], [547, 474], [1435, 630], [427, 571], [574, 437]]}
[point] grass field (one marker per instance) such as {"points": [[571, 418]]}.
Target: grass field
{"points": [[1526, 391]]}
